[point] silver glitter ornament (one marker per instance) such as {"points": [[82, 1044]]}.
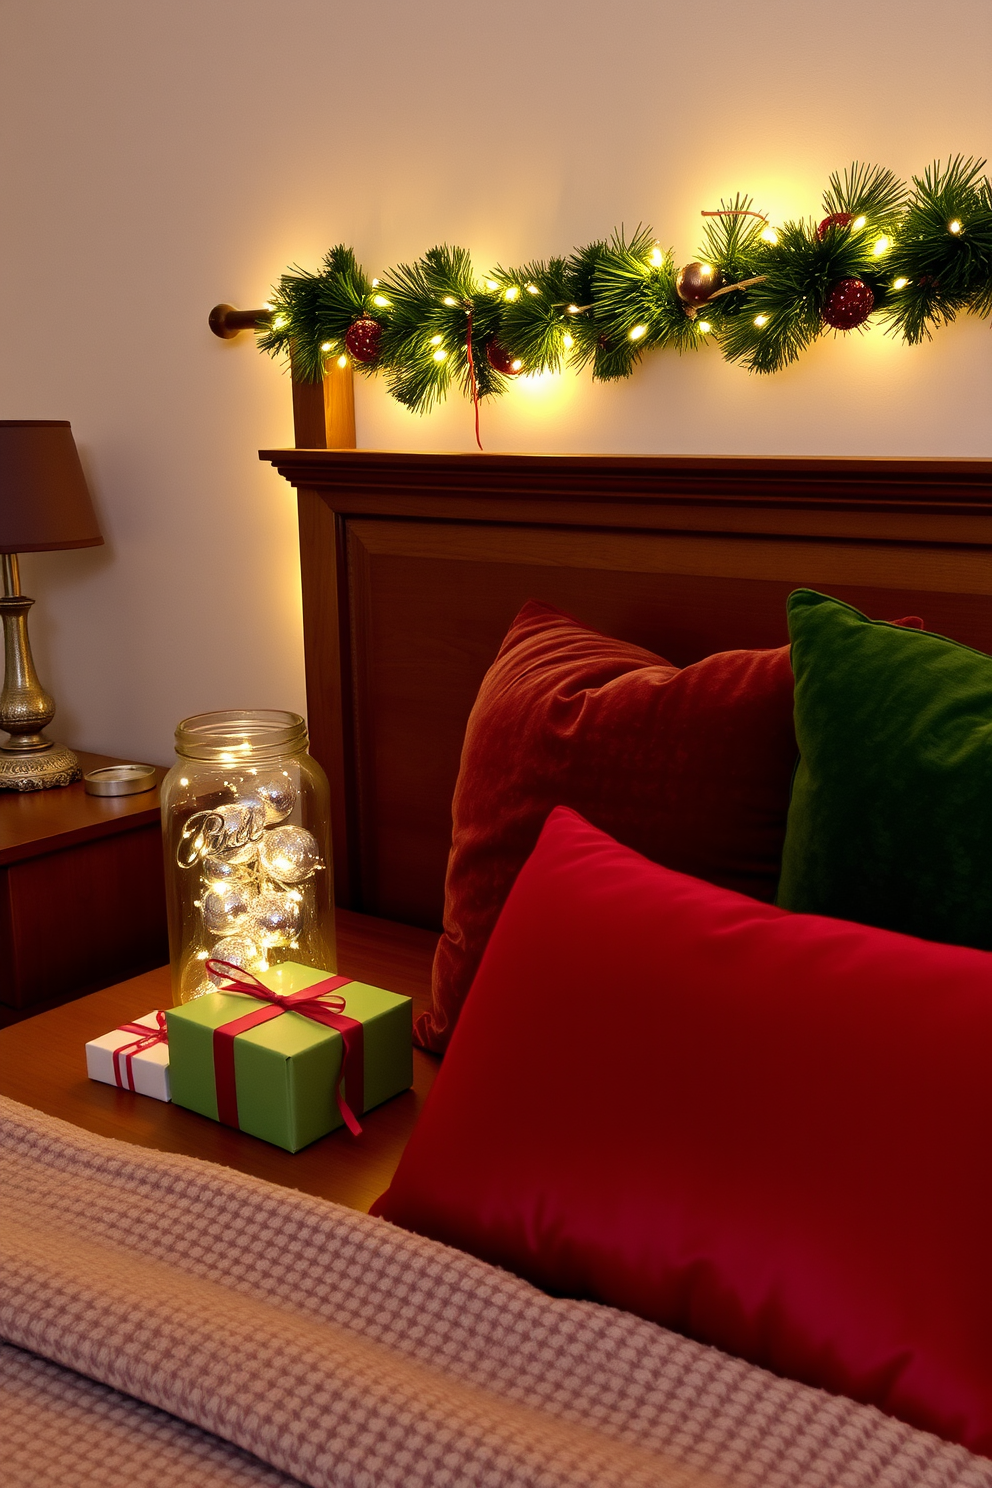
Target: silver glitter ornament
{"points": [[277, 916], [200, 990], [242, 950], [226, 908], [277, 794], [289, 854], [229, 870]]}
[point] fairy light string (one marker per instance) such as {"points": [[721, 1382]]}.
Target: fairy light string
{"points": [[911, 257]]}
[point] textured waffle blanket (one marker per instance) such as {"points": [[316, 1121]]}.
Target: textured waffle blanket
{"points": [[169, 1321]]}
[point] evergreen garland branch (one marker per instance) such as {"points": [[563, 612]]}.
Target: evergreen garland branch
{"points": [[533, 324], [942, 261], [918, 256]]}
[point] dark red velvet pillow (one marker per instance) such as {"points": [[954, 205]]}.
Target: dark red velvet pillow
{"points": [[771, 1132], [691, 767]]}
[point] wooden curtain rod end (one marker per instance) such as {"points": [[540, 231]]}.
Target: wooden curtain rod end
{"points": [[226, 322]]}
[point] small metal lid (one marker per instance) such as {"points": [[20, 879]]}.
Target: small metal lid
{"points": [[119, 780]]}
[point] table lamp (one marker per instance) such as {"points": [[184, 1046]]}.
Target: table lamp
{"points": [[44, 503]]}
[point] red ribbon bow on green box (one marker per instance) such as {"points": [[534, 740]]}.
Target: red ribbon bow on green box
{"points": [[313, 1002]]}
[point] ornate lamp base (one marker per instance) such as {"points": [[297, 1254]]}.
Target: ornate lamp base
{"points": [[42, 769]]}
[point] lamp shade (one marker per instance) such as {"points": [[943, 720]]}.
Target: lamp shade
{"points": [[44, 499]]}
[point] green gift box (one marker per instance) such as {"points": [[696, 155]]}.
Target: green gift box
{"points": [[286, 1070]]}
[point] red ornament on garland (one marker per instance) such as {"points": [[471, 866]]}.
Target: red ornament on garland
{"points": [[849, 304], [500, 359], [362, 339], [836, 219]]}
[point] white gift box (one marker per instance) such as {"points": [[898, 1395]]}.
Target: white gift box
{"points": [[148, 1068]]}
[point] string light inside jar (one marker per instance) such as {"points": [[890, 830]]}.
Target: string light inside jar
{"points": [[250, 885]]}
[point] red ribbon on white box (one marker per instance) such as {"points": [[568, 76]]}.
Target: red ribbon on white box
{"points": [[124, 1056]]}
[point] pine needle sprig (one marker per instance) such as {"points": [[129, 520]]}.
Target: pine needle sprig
{"points": [[580, 278], [424, 346], [981, 303], [533, 322], [942, 263], [732, 243], [345, 295], [635, 305], [293, 327], [784, 314], [406, 351], [868, 191]]}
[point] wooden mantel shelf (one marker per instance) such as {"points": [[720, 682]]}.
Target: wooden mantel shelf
{"points": [[944, 501]]}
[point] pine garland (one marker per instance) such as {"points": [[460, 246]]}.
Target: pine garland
{"points": [[916, 257]]}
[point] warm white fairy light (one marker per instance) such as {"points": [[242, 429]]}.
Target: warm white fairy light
{"points": [[882, 245], [899, 283], [573, 309], [656, 257], [769, 235], [492, 284], [382, 302], [342, 362], [440, 354], [279, 323], [327, 346], [450, 301], [268, 305], [859, 223], [760, 320], [955, 226], [533, 289], [436, 340], [704, 326], [512, 293], [375, 284], [516, 365], [636, 332], [567, 341]]}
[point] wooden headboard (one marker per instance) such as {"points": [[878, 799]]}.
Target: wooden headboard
{"points": [[415, 564]]}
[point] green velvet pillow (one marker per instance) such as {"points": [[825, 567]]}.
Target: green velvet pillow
{"points": [[890, 822]]}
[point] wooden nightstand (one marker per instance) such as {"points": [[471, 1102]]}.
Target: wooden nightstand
{"points": [[82, 896]]}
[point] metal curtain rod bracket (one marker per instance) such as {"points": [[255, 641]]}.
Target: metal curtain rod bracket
{"points": [[226, 322]]}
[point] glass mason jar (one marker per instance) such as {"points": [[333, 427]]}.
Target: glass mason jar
{"points": [[246, 820]]}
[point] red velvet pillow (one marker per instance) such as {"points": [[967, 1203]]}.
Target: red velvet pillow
{"points": [[691, 767], [771, 1132]]}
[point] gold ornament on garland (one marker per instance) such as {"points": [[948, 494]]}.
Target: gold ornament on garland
{"points": [[696, 283]]}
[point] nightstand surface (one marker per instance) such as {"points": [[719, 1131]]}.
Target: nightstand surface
{"points": [[43, 1064], [33, 822]]}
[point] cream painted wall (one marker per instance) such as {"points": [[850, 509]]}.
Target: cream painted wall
{"points": [[157, 158]]}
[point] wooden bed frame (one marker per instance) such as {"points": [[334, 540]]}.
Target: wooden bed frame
{"points": [[415, 564]]}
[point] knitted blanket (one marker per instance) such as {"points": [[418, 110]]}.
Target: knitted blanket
{"points": [[170, 1321]]}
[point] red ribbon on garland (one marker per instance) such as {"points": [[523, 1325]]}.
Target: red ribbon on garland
{"points": [[471, 373], [313, 1002], [147, 1038]]}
